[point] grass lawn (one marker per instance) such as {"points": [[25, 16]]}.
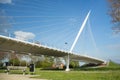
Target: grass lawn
{"points": [[111, 72], [74, 75], [79, 75]]}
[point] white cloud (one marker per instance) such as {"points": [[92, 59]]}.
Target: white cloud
{"points": [[6, 1], [24, 35]]}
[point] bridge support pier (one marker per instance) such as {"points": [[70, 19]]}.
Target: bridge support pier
{"points": [[67, 63]]}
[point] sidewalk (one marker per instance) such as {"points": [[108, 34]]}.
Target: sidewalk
{"points": [[4, 76]]}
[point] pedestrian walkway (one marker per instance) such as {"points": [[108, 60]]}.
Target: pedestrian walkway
{"points": [[4, 76]]}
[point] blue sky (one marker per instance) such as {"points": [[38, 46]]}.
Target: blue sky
{"points": [[54, 22]]}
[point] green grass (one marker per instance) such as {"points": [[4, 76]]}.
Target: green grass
{"points": [[2, 70], [79, 75], [75, 75], [111, 72]]}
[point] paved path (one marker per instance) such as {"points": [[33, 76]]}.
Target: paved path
{"points": [[4, 76]]}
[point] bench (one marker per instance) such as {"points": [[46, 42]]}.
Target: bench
{"points": [[16, 68]]}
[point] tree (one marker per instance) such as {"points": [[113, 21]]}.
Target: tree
{"points": [[115, 14], [14, 62], [23, 63], [46, 63], [74, 64], [13, 59], [43, 64]]}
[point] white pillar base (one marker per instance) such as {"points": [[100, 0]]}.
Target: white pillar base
{"points": [[67, 69]]}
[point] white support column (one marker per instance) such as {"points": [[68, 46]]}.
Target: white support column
{"points": [[76, 39], [67, 63]]}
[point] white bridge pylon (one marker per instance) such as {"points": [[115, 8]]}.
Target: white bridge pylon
{"points": [[76, 39]]}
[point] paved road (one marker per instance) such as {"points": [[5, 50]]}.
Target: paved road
{"points": [[4, 76]]}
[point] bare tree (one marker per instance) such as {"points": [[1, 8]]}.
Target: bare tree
{"points": [[114, 12]]}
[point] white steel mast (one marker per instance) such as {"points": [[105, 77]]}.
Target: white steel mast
{"points": [[76, 39]]}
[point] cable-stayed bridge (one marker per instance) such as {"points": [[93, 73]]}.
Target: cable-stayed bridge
{"points": [[12, 44]]}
